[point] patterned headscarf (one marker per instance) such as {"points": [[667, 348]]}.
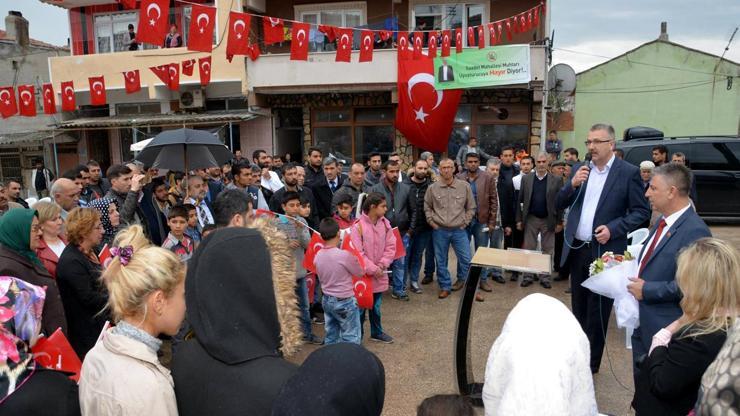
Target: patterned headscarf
{"points": [[102, 205], [21, 304]]}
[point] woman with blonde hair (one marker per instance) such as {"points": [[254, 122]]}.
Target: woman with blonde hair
{"points": [[78, 273], [708, 276], [146, 296], [52, 243]]}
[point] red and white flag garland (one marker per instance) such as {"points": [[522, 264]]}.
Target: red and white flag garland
{"points": [[26, 100], [132, 81], [97, 90], [50, 105]]}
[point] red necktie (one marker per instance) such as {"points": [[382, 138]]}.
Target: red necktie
{"points": [[649, 252]]}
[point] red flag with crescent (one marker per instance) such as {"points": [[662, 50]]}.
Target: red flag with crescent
{"points": [[348, 246], [50, 104], [311, 286], [127, 4], [367, 43], [8, 105], [204, 68], [446, 42], [314, 245], [173, 73], [162, 72], [424, 115], [329, 31], [418, 38], [508, 29], [97, 90], [363, 288], [500, 31], [491, 34], [153, 21], [432, 45], [237, 43], [69, 103], [202, 23], [400, 249], [299, 41], [536, 17], [385, 34], [27, 100], [254, 52], [132, 80], [481, 37], [273, 28], [404, 53], [188, 67], [530, 20], [458, 40], [344, 45], [471, 36], [56, 352]]}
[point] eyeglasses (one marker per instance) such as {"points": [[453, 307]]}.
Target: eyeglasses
{"points": [[595, 142]]}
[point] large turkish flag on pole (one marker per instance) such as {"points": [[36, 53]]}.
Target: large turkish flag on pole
{"points": [[202, 22], [424, 115], [153, 19]]}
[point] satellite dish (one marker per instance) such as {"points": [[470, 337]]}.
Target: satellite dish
{"points": [[561, 80]]}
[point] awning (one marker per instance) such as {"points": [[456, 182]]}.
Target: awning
{"points": [[28, 137], [138, 120]]}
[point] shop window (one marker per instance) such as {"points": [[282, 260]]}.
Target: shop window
{"points": [[352, 134], [495, 127]]}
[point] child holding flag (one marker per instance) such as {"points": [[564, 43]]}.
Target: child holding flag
{"points": [[373, 237], [335, 268]]}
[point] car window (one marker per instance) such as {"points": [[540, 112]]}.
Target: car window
{"points": [[635, 155], [715, 156]]}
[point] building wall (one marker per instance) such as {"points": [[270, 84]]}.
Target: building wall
{"points": [[691, 101], [256, 134]]}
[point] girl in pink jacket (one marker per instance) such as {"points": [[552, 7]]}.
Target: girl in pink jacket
{"points": [[372, 235]]}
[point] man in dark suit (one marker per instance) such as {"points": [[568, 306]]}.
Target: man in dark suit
{"points": [[679, 226], [445, 73], [606, 202], [539, 213], [325, 186]]}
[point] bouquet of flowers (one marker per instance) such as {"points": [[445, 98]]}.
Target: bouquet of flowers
{"points": [[609, 276]]}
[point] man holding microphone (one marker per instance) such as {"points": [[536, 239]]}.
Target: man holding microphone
{"points": [[606, 202]]}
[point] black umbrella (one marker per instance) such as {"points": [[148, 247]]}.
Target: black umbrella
{"points": [[184, 149]]}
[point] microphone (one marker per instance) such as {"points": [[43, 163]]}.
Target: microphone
{"points": [[587, 158]]}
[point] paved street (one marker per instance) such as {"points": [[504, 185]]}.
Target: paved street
{"points": [[420, 362]]}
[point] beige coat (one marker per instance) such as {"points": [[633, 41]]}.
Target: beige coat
{"points": [[122, 376]]}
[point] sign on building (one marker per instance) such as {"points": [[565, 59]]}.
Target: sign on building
{"points": [[499, 65]]}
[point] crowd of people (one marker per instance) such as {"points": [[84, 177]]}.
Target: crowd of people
{"points": [[126, 263]]}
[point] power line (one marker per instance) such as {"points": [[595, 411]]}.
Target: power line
{"points": [[673, 84], [644, 91]]}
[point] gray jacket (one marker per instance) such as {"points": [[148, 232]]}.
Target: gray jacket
{"points": [[292, 232], [398, 204], [347, 189]]}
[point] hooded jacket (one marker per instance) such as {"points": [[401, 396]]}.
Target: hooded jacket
{"points": [[347, 189], [241, 306], [377, 244], [336, 380]]}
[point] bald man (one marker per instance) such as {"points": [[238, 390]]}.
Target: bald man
{"points": [[66, 193]]}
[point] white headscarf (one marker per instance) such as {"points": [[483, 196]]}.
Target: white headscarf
{"points": [[539, 365]]}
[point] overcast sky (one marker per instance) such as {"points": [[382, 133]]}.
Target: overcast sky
{"points": [[590, 27]]}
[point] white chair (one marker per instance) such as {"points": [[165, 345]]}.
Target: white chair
{"points": [[638, 236], [31, 201]]}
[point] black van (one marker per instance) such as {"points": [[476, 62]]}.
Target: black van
{"points": [[715, 162]]}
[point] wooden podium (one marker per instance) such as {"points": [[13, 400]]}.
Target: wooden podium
{"points": [[515, 260]]}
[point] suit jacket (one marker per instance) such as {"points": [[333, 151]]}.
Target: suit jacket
{"points": [[323, 195], [622, 207], [449, 76], [506, 197], [487, 197], [554, 214], [659, 306]]}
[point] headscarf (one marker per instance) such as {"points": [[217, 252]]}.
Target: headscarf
{"points": [[563, 384], [15, 232], [335, 380], [21, 304], [102, 205]]}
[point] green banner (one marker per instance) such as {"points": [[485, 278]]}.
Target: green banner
{"points": [[498, 65]]}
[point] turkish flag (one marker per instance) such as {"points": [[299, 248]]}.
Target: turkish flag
{"points": [[530, 20], [500, 30], [50, 104], [8, 105], [491, 34], [418, 45], [536, 17], [446, 41], [471, 36], [162, 72], [424, 114], [174, 75], [27, 100], [400, 249], [299, 41], [127, 4], [432, 45], [481, 37], [311, 286], [314, 245], [105, 256], [508, 30], [523, 23], [97, 90], [543, 7], [329, 31], [344, 45], [153, 21], [202, 22], [367, 44], [204, 68], [254, 52], [69, 103], [404, 53], [348, 246], [188, 67], [132, 80], [385, 34], [237, 43], [56, 352], [458, 40], [273, 28], [363, 288]]}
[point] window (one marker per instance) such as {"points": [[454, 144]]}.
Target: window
{"points": [[352, 134], [449, 16], [714, 156], [111, 32], [346, 14], [134, 109], [494, 126]]}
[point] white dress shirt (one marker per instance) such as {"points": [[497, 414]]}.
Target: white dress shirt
{"points": [[517, 181], [669, 221], [273, 184], [202, 212], [596, 181]]}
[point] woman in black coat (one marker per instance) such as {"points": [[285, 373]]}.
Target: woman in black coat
{"points": [[78, 277], [708, 275]]}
